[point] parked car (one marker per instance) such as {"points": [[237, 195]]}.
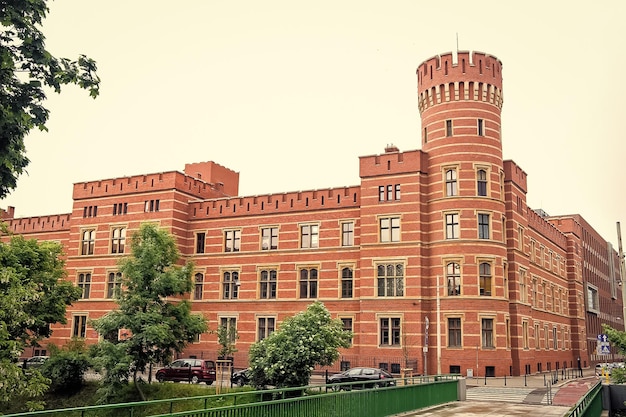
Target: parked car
{"points": [[362, 378], [241, 377], [192, 370], [35, 361]]}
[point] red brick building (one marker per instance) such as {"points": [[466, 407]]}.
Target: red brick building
{"points": [[434, 260]]}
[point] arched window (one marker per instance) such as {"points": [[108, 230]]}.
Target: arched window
{"points": [[453, 277], [451, 185], [481, 182], [484, 272]]}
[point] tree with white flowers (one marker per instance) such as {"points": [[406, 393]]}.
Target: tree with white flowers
{"points": [[287, 357]]}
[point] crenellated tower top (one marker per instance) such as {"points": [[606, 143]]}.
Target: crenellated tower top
{"points": [[472, 76]]}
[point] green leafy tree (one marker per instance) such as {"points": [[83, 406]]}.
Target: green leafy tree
{"points": [[156, 324], [26, 68], [67, 366], [287, 357], [33, 295], [618, 340]]}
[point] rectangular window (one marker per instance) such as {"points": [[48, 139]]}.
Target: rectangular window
{"points": [[508, 333], [347, 234], [523, 290], [525, 334], [555, 339], [198, 288], [390, 280], [381, 193], [389, 192], [389, 229], [151, 205], [308, 283], [84, 283], [481, 127], [397, 192], [448, 128], [483, 226], [593, 301], [88, 241], [520, 237], [536, 336], [230, 324], [114, 284], [230, 285], [453, 276], [79, 326], [347, 325], [487, 333], [200, 241], [266, 326], [268, 284], [90, 211], [120, 208], [390, 331], [346, 282], [269, 238], [452, 226], [232, 240], [309, 236], [425, 135], [454, 332], [118, 239]]}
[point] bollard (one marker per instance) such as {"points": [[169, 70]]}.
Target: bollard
{"points": [[544, 380], [505, 380], [485, 379], [525, 380]]}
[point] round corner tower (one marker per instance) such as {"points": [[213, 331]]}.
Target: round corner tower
{"points": [[460, 102]]}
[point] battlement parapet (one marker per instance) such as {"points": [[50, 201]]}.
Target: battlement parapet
{"points": [[392, 163], [474, 76], [147, 183], [513, 172], [39, 224], [546, 229], [325, 199]]}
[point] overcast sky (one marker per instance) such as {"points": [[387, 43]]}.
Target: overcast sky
{"points": [[291, 93]]}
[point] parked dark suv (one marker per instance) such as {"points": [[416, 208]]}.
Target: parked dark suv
{"points": [[192, 370]]}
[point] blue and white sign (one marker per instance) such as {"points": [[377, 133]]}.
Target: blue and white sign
{"points": [[603, 347]]}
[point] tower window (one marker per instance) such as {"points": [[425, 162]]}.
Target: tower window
{"points": [[481, 127], [481, 182], [448, 128]]}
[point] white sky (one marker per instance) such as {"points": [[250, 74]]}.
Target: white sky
{"points": [[291, 93]]}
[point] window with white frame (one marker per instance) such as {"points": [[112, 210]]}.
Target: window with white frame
{"points": [[118, 239], [453, 277], [483, 226], [269, 238], [309, 236], [268, 284], [593, 300], [347, 234], [200, 241], [232, 240], [487, 333], [389, 229], [88, 241], [452, 226], [451, 182], [230, 285], [265, 327]]}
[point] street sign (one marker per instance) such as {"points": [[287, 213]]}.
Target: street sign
{"points": [[603, 346]]}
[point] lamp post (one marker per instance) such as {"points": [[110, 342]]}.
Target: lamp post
{"points": [[438, 330], [425, 348]]}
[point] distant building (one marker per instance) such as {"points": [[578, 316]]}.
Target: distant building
{"points": [[433, 259]]}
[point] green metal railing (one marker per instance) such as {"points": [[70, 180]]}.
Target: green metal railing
{"points": [[590, 405], [409, 394]]}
